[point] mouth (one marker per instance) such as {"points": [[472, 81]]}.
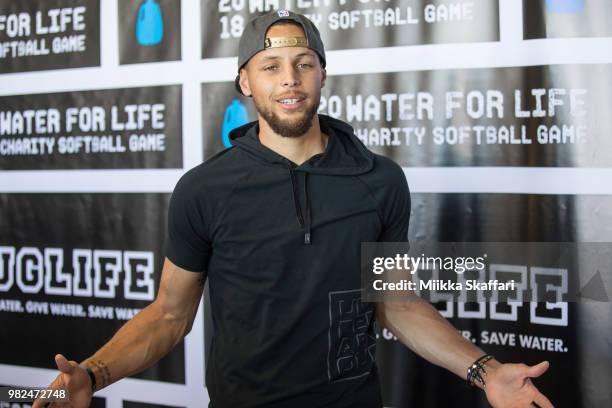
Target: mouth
{"points": [[291, 102]]}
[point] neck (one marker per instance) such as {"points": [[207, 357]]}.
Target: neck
{"points": [[297, 149]]}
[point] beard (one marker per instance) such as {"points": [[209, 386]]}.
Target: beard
{"points": [[288, 127]]}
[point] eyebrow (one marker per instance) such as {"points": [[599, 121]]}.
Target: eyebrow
{"points": [[302, 54]]}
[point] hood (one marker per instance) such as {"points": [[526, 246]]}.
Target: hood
{"points": [[344, 155]]}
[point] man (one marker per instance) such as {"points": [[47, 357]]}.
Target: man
{"points": [[275, 223]]}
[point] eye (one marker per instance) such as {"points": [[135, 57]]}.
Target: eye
{"points": [[304, 66], [270, 68]]}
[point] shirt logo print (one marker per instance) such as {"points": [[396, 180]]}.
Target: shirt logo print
{"points": [[352, 350]]}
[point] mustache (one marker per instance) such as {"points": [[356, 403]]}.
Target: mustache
{"points": [[290, 95]]}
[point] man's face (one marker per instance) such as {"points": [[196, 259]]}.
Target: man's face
{"points": [[285, 84]]}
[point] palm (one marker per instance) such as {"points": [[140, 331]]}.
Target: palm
{"points": [[510, 386], [79, 389]]}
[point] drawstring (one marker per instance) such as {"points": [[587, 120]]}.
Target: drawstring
{"points": [[296, 203], [307, 234], [298, 210]]}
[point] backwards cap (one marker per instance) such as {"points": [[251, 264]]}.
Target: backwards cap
{"points": [[253, 39]]}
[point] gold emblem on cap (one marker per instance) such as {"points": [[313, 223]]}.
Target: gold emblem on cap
{"points": [[277, 42]]}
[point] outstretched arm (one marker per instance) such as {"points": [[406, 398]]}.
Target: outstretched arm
{"points": [[141, 342], [419, 326]]}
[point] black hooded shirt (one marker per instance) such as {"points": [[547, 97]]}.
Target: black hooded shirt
{"points": [[281, 246]]}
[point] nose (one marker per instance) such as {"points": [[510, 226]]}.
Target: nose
{"points": [[291, 78]]}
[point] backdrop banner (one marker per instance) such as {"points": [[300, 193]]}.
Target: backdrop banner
{"points": [[50, 34], [101, 129], [579, 370], [463, 117], [69, 281], [149, 31], [566, 18]]}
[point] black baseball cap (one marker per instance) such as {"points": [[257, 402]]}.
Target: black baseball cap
{"points": [[253, 39]]}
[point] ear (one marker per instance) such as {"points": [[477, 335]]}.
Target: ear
{"points": [[323, 77], [244, 83]]}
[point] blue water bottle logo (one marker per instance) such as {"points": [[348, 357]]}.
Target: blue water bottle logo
{"points": [[149, 24], [564, 6], [235, 116]]}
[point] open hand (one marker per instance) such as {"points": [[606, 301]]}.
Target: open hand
{"points": [[509, 386], [74, 380]]}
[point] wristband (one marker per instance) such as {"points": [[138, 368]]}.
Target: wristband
{"points": [[92, 377], [475, 371]]}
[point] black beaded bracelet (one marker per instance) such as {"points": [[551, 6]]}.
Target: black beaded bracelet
{"points": [[475, 371], [92, 377]]}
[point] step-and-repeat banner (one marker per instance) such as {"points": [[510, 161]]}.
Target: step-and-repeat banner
{"points": [[103, 105]]}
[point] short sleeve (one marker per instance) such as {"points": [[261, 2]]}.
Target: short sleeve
{"points": [[187, 243], [396, 209]]}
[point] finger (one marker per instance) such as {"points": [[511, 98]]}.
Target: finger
{"points": [[63, 364], [43, 402], [538, 369], [542, 401]]}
